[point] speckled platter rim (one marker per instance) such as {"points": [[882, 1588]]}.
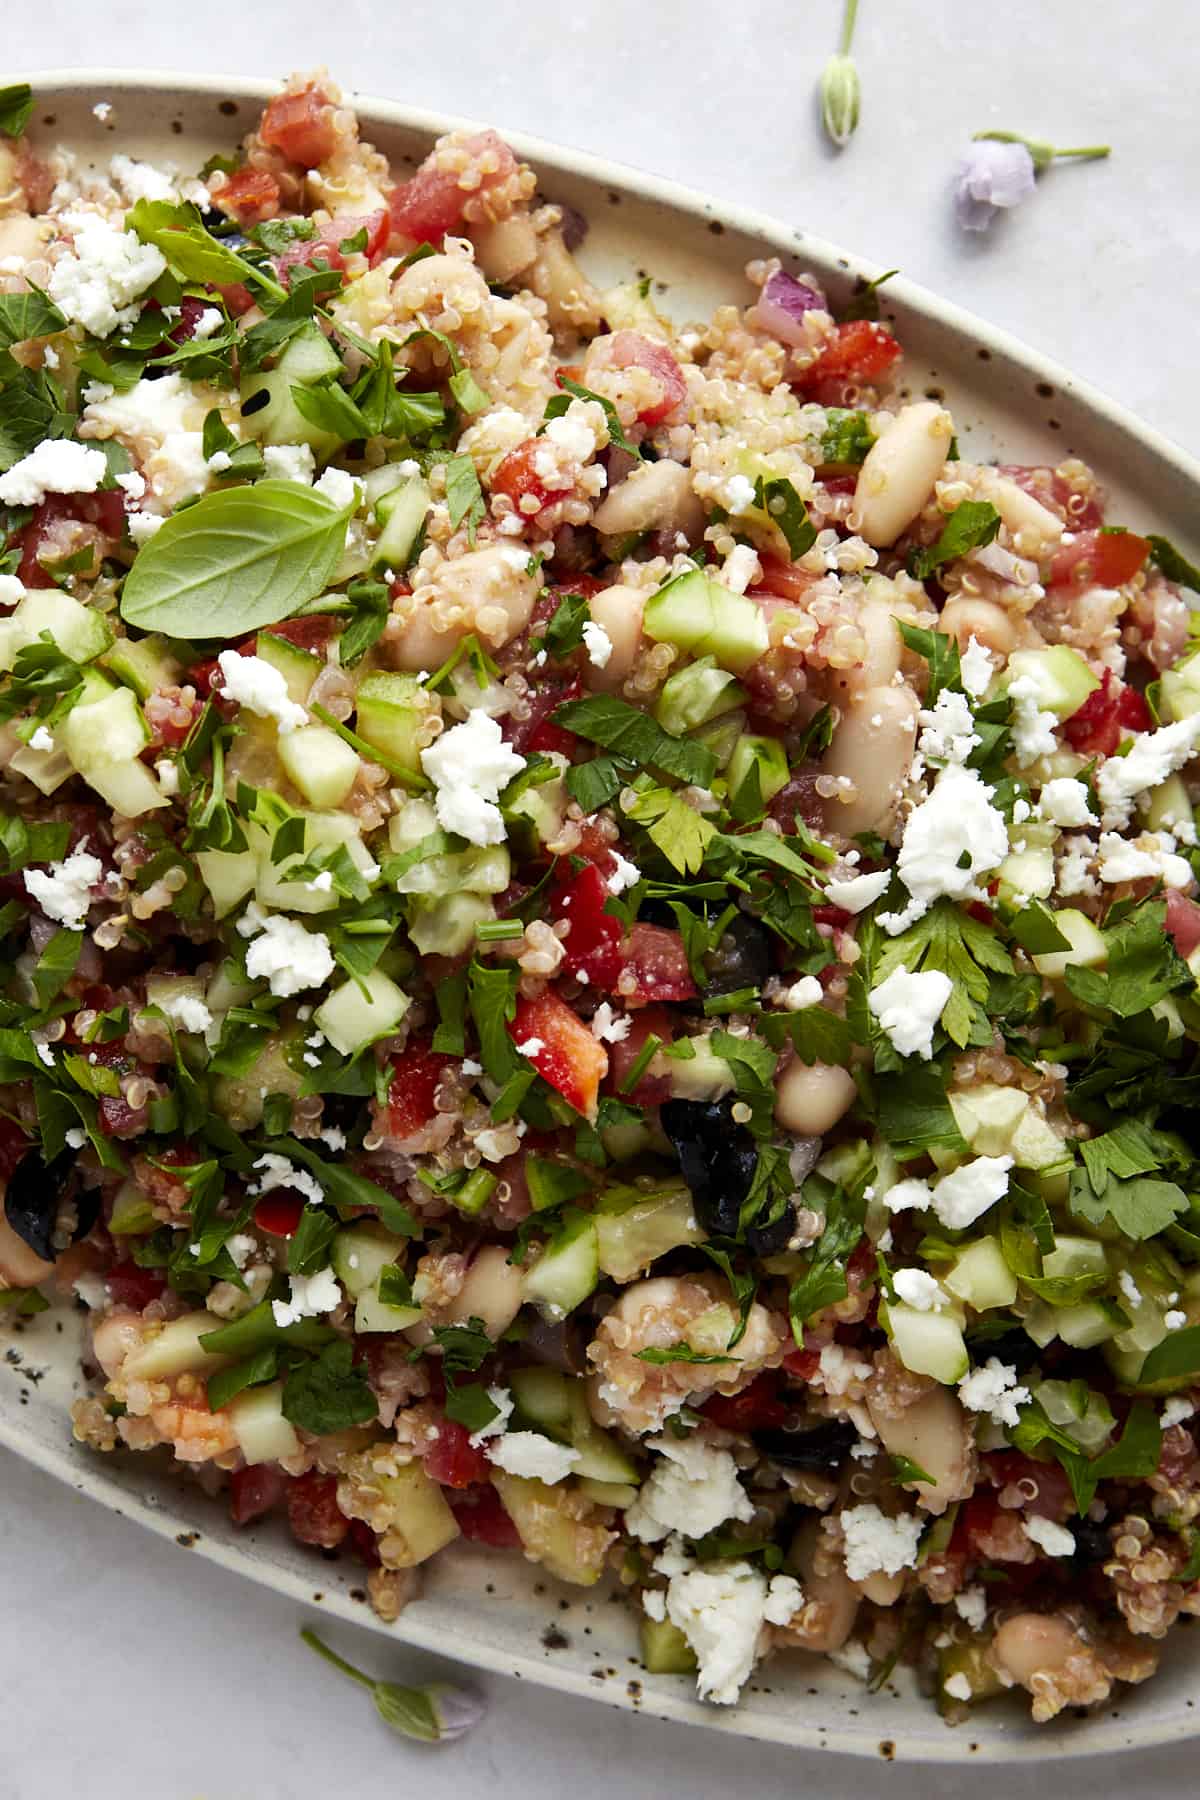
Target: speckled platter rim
{"points": [[795, 1701]]}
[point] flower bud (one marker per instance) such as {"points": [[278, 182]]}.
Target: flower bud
{"points": [[840, 96]]}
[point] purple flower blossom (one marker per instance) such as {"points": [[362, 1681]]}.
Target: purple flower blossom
{"points": [[991, 176]]}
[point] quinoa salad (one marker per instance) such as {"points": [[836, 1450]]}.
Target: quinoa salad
{"points": [[600, 939]]}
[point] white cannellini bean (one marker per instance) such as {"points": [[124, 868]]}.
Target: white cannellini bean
{"points": [[488, 591], [872, 747], [982, 619], [1033, 1644], [897, 477], [505, 248], [653, 497], [831, 1601], [933, 1433], [491, 1291], [881, 1589], [810, 1098], [881, 655], [618, 610], [1034, 529], [572, 303]]}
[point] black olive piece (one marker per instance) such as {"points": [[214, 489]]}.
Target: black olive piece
{"points": [[768, 1240], [33, 1196], [716, 1157], [657, 912], [742, 959], [1092, 1542], [821, 1450], [255, 403], [1011, 1347]]}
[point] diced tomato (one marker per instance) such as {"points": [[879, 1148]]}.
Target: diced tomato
{"points": [[1007, 1468], [655, 956], [802, 1364], [630, 350], [837, 916], [453, 1460], [130, 1286], [1053, 491], [518, 477], [117, 1119], [859, 351], [191, 308], [105, 511], [325, 245], [280, 1212], [481, 1517], [301, 126], [782, 578], [248, 195], [310, 633], [567, 1056], [313, 1511], [592, 945], [538, 731], [1099, 559], [13, 1146], [237, 297], [364, 1543], [1183, 921], [649, 1090], [1105, 716], [432, 202], [756, 1408], [798, 798], [416, 1073], [255, 1491]]}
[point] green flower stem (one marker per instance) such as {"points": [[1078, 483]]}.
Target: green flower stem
{"points": [[331, 1656], [1044, 154], [849, 20]]}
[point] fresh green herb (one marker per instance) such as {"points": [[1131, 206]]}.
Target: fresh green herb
{"points": [[950, 941], [1143, 965], [371, 601], [564, 633], [25, 316], [776, 496], [645, 1056], [16, 108], [195, 255], [344, 1188], [1176, 1356], [846, 439], [308, 1248], [679, 1353], [470, 1405], [430, 1715], [1173, 564], [558, 405], [1033, 927], [864, 302], [56, 965], [617, 726], [913, 1111], [228, 1383], [904, 1470], [464, 496], [942, 655], [593, 784], [468, 395], [677, 829], [450, 1038], [492, 999], [245, 460], [824, 1281], [972, 524], [328, 1393]]}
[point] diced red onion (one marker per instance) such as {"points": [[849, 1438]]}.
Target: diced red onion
{"points": [[781, 307]]}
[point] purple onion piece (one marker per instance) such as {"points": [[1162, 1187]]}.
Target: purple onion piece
{"points": [[781, 307]]}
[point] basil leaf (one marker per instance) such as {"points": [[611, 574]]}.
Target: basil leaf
{"points": [[464, 496], [560, 402], [784, 507], [371, 601], [468, 394], [16, 108], [56, 965], [942, 655], [615, 725], [235, 561], [968, 527], [1176, 1356], [25, 316], [471, 1406], [227, 1384], [328, 1393], [1174, 565], [846, 439], [194, 254], [564, 633]]}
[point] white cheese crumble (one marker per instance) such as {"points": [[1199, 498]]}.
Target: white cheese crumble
{"points": [[42, 739], [470, 765], [104, 272], [912, 1194], [168, 775], [1122, 861], [1032, 731], [692, 1489], [1153, 756], [995, 1390], [598, 644], [908, 1008], [241, 1247], [919, 1289], [625, 874], [339, 487], [840, 1368], [609, 1027], [975, 666], [958, 1686], [802, 994], [741, 569], [739, 494], [529, 1453], [1175, 1320], [186, 1011], [954, 836], [876, 1544], [1054, 1539], [259, 686], [76, 1137], [971, 1605], [1064, 801], [1176, 1409], [311, 1295], [966, 1193], [285, 955], [502, 1400], [278, 1172], [721, 1609], [140, 180], [64, 890], [159, 421], [289, 462], [859, 892], [56, 467], [949, 733], [1129, 1288], [654, 1604]]}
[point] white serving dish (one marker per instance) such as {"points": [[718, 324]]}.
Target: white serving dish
{"points": [[491, 1610]]}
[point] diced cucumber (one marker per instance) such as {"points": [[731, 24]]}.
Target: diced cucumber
{"points": [[109, 729], [1179, 691], [447, 927], [967, 1662], [1083, 1413], [721, 737], [79, 631], [270, 414], [308, 356], [551, 1529], [1084, 1325], [352, 1019], [298, 667], [665, 1650], [390, 713], [173, 1350], [567, 1270], [262, 1432], [1073, 1256], [358, 1253], [694, 612], [401, 512], [132, 1212], [128, 787], [323, 830], [1088, 949], [981, 1277], [601, 1458], [543, 1397], [226, 989], [1026, 875], [229, 875], [421, 1522], [607, 1493], [1169, 805], [537, 816], [696, 694], [162, 990], [486, 870], [753, 756], [928, 1343], [277, 1069], [144, 665], [1060, 676], [702, 1076], [47, 769], [371, 1313], [629, 1240], [999, 1121], [323, 766]]}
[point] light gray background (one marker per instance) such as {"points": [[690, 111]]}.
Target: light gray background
{"points": [[128, 1668]]}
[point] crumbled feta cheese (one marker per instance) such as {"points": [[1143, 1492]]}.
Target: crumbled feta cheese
{"points": [[470, 765], [289, 462], [971, 1606], [864, 1452], [949, 733], [955, 835], [802, 994], [471, 1067], [1073, 871], [42, 739], [186, 1011], [958, 1686], [168, 775], [739, 494], [1122, 861], [625, 874], [741, 569], [1064, 801], [321, 883], [339, 487], [720, 1609], [1054, 1539], [975, 666], [208, 323], [913, 1194], [502, 1400], [259, 686], [853, 1659], [609, 1027], [859, 892], [161, 423], [876, 1544], [578, 431], [75, 1137], [278, 1172], [1153, 756], [56, 467], [104, 272], [241, 1247], [11, 590], [64, 890], [1175, 1320], [531, 1047], [966, 1193], [143, 525], [286, 956], [692, 1488], [1129, 1288], [840, 1368], [92, 1290], [598, 643], [995, 1390], [919, 1289], [140, 180], [219, 461], [1032, 731], [654, 1604], [909, 1006], [45, 1054], [311, 1295], [529, 1453], [333, 1137], [1176, 1409]]}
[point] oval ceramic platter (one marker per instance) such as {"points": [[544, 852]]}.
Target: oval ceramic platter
{"points": [[495, 1611]]}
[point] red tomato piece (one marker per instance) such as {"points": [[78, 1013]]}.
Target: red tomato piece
{"points": [[1132, 711], [237, 297], [453, 1460], [538, 731], [1099, 559], [104, 511], [593, 941], [301, 127], [517, 477], [280, 1212], [130, 1286], [1105, 716], [248, 195], [859, 351], [801, 1364], [567, 1055], [756, 1408], [313, 1511], [655, 956], [1183, 921], [782, 578], [13, 1145], [649, 1090], [310, 633], [254, 1492], [798, 797], [416, 1073], [432, 202], [325, 246], [630, 350], [481, 1517]]}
